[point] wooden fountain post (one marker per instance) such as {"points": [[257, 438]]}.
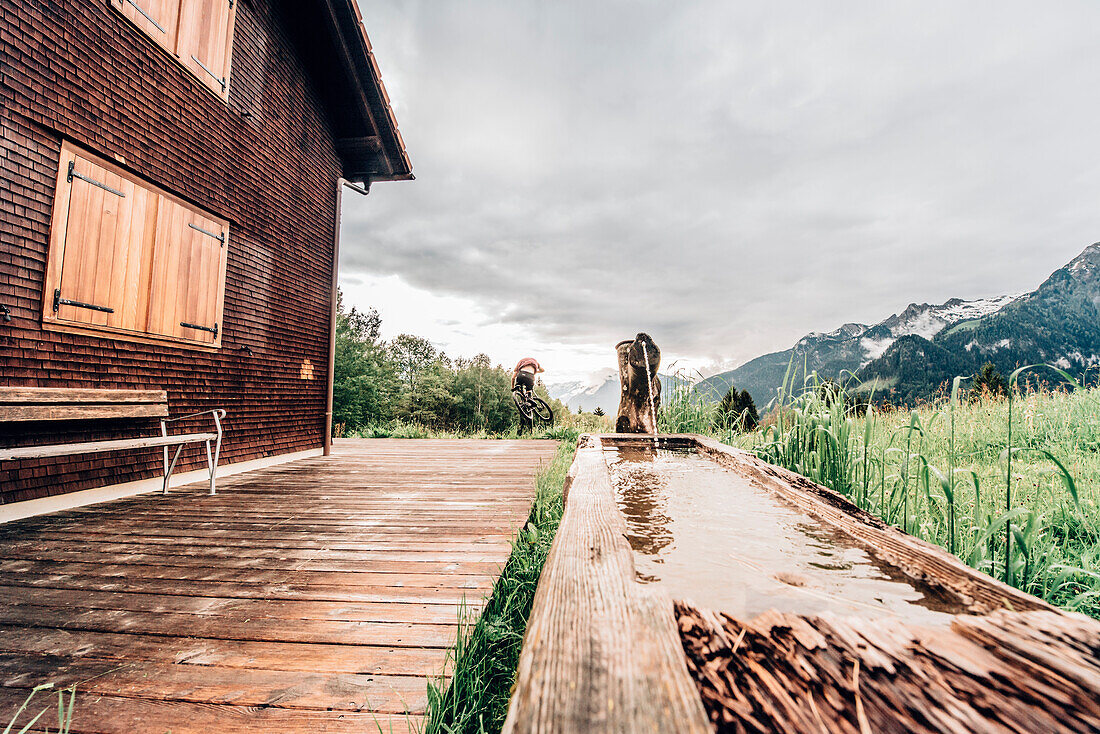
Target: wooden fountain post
{"points": [[640, 396]]}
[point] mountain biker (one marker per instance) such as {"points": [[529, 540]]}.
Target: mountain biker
{"points": [[524, 373]]}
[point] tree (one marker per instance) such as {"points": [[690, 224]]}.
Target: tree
{"points": [[746, 408], [989, 381], [598, 411], [412, 354], [483, 396], [364, 380], [737, 411], [430, 400]]}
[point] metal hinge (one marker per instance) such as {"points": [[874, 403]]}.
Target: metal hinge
{"points": [[73, 174], [212, 329], [58, 302], [219, 237], [147, 16], [215, 77]]}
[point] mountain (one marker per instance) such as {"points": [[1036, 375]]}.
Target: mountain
{"points": [[914, 353], [1058, 323], [841, 353], [603, 393]]}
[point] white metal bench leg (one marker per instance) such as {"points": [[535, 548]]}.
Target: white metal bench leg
{"points": [[218, 415], [211, 466], [169, 468]]}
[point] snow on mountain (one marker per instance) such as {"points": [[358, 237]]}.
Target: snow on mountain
{"points": [[926, 321], [603, 394], [583, 393]]}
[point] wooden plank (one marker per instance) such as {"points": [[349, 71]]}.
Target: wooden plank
{"points": [[1004, 672], [228, 560], [280, 576], [467, 592], [329, 632], [201, 652], [92, 447], [252, 686], [35, 395], [99, 714], [22, 413], [601, 652], [231, 608], [462, 554], [273, 607], [227, 539]]}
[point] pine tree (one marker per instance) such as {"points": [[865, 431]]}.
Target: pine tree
{"points": [[746, 411], [598, 411], [737, 411], [989, 381]]}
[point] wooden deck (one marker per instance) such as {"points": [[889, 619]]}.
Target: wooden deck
{"points": [[314, 596]]}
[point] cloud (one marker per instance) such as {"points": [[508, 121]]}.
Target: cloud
{"points": [[729, 176]]}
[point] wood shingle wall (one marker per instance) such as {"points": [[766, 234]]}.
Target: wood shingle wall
{"points": [[265, 162]]}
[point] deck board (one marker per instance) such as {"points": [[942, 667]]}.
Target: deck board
{"points": [[318, 595]]}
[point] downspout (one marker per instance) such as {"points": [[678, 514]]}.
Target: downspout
{"points": [[364, 190]]}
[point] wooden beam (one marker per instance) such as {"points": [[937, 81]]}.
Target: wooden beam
{"points": [[601, 652], [36, 395], [361, 145]]}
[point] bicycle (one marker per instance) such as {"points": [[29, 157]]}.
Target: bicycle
{"points": [[533, 408]]}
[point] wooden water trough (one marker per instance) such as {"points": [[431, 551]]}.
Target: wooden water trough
{"points": [[605, 653]]}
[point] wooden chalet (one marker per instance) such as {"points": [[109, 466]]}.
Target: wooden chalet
{"points": [[170, 178]]}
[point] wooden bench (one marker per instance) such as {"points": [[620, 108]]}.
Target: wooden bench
{"points": [[24, 404]]}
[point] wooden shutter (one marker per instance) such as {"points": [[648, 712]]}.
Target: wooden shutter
{"points": [[188, 274], [100, 246], [158, 18], [206, 41]]}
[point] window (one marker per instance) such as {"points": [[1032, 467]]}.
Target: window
{"points": [[130, 260], [199, 33]]}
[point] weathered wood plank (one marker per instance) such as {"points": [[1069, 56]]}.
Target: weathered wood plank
{"points": [[253, 686], [321, 631], [316, 561], [100, 714], [1005, 672], [301, 594], [601, 652], [44, 395], [14, 413], [231, 608], [462, 553], [198, 651], [277, 577]]}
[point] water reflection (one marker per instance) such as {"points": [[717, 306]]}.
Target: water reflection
{"points": [[711, 537], [643, 499]]}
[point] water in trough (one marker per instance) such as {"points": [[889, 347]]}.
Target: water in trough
{"points": [[714, 539]]}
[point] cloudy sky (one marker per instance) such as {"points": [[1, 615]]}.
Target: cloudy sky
{"points": [[726, 176]]}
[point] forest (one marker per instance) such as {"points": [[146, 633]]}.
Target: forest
{"points": [[380, 387]]}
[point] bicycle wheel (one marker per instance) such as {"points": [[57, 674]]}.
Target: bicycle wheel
{"points": [[523, 405], [541, 410]]}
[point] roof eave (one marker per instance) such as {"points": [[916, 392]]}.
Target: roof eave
{"points": [[380, 156]]}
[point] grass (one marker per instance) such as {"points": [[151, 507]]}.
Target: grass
{"points": [[1010, 485], [484, 659], [64, 710], [566, 428]]}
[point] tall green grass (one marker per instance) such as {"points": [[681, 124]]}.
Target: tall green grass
{"points": [[484, 659], [65, 706], [566, 427], [1010, 485]]}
